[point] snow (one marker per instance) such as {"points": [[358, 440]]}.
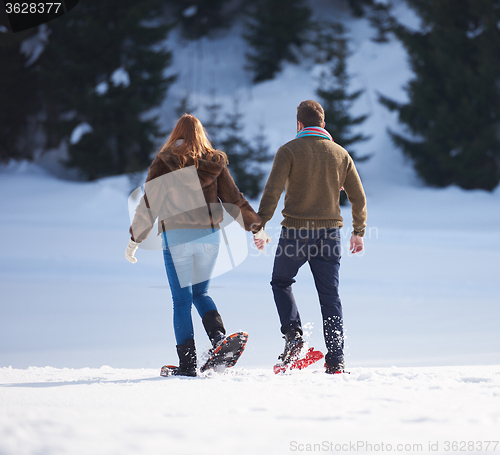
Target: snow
{"points": [[79, 131], [190, 11], [120, 77], [33, 46], [102, 88], [84, 333], [133, 411], [474, 33], [421, 311]]}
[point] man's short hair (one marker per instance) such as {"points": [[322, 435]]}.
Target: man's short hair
{"points": [[310, 113]]}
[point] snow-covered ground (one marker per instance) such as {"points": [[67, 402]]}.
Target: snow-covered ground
{"points": [[249, 411], [83, 333]]}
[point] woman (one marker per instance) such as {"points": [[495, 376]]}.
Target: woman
{"points": [[189, 211]]}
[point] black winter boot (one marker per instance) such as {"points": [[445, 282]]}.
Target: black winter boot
{"points": [[214, 327], [293, 345], [187, 359]]}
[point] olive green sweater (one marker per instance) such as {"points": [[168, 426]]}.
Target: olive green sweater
{"points": [[313, 170]]}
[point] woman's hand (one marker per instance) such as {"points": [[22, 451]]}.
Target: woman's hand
{"points": [[130, 251], [261, 239]]}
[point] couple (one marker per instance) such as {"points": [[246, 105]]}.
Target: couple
{"points": [[313, 169]]}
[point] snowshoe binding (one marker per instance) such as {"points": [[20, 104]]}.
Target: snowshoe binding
{"points": [[226, 353], [299, 363]]}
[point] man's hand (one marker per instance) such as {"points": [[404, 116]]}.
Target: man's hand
{"points": [[261, 239], [356, 244]]}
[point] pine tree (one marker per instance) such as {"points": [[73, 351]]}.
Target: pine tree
{"points": [[214, 125], [18, 96], [185, 107], [273, 29], [245, 158], [198, 17], [358, 6], [453, 111], [382, 21], [334, 93], [335, 97], [102, 70]]}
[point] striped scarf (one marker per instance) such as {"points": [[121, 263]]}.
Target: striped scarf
{"points": [[314, 131]]}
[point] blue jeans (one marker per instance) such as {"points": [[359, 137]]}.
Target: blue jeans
{"points": [[194, 263], [321, 248]]}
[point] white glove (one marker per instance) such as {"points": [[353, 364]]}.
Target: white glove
{"points": [[263, 236], [130, 251]]}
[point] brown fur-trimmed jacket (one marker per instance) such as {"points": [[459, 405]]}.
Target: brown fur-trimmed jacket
{"points": [[218, 187]]}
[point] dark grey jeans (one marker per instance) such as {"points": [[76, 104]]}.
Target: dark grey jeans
{"points": [[321, 248]]}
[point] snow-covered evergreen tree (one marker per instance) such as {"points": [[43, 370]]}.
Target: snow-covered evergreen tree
{"points": [[101, 72], [358, 6], [245, 158], [333, 91], [198, 17], [214, 125], [273, 29], [334, 94], [18, 94], [453, 113], [381, 20]]}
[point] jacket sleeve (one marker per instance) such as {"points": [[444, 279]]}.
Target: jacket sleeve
{"points": [[357, 198], [149, 206], [275, 185], [235, 203]]}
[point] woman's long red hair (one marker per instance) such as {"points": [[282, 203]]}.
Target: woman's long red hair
{"points": [[189, 140]]}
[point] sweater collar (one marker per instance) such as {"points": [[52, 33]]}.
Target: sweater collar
{"points": [[314, 131]]}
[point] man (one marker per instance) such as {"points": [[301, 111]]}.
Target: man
{"points": [[313, 169]]}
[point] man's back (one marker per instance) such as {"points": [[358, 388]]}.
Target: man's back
{"points": [[313, 170]]}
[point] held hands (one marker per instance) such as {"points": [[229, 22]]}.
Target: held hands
{"points": [[356, 244], [130, 251], [261, 239]]}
